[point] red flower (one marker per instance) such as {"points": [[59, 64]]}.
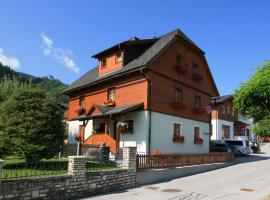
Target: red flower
{"points": [[78, 137], [178, 138], [198, 140]]}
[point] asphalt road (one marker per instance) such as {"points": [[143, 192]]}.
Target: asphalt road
{"points": [[248, 179]]}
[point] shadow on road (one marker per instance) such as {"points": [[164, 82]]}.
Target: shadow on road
{"points": [[251, 158]]}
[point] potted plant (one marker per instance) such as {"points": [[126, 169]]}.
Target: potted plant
{"points": [[198, 140], [178, 138]]}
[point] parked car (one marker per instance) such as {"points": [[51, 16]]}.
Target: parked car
{"points": [[221, 147], [266, 139], [255, 147], [241, 147]]}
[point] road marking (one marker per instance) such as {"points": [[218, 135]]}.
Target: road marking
{"points": [[247, 190], [152, 187], [189, 196], [171, 190]]}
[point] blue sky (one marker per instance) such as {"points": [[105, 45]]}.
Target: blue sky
{"points": [[59, 37]]}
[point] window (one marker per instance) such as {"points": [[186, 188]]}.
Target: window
{"points": [[103, 63], [129, 126], [197, 102], [228, 110], [176, 129], [101, 128], [194, 68], [225, 132], [178, 59], [196, 132], [178, 96], [119, 57], [223, 110], [111, 94], [82, 102]]}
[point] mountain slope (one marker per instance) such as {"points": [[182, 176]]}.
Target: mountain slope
{"points": [[47, 83]]}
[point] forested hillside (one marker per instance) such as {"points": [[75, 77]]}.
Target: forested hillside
{"points": [[47, 83]]}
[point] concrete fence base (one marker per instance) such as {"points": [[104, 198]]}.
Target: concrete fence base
{"points": [[153, 176]]}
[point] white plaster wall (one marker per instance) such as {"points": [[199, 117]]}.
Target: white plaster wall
{"points": [[88, 129], [162, 134], [73, 130], [217, 128], [139, 138]]}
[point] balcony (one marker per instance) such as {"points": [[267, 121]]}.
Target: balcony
{"points": [[180, 68]]}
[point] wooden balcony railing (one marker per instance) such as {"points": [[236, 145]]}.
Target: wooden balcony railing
{"points": [[100, 139]]}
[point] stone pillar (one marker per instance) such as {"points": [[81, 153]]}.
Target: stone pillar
{"points": [[129, 158], [1, 169], [77, 165]]}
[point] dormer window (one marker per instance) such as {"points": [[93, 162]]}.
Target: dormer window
{"points": [[103, 63], [119, 57]]}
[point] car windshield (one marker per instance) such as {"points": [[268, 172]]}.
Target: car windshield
{"points": [[247, 143], [234, 142]]}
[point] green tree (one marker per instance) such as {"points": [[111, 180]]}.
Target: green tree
{"points": [[253, 97], [262, 128], [31, 122]]}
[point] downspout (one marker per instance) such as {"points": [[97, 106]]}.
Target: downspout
{"points": [[149, 100]]}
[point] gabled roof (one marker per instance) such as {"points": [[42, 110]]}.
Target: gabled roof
{"points": [[92, 77]]}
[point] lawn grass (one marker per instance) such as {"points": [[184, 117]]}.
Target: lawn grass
{"points": [[15, 167]]}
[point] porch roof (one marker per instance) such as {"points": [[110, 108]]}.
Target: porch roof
{"points": [[109, 111], [241, 123]]}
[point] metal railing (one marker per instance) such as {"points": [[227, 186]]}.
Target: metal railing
{"points": [[97, 165], [25, 170]]}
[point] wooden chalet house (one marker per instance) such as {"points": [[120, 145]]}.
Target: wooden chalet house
{"points": [[149, 93], [227, 123]]}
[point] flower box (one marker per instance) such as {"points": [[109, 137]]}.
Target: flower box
{"points": [[198, 140], [180, 105], [181, 69], [79, 110], [199, 110], [197, 76], [78, 138], [178, 139], [109, 103]]}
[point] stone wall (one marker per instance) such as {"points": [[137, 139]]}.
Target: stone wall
{"points": [[77, 183]]}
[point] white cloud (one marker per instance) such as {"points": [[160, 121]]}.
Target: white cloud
{"points": [[12, 62], [63, 56], [46, 40]]}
